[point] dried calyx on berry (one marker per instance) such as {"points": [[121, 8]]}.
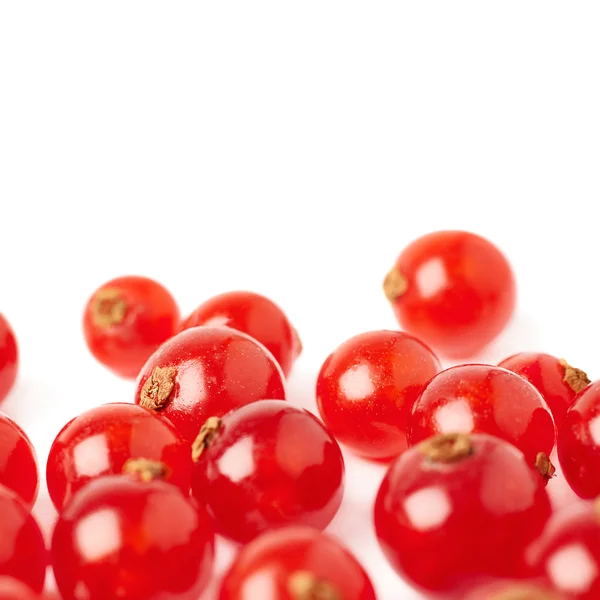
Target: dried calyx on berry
{"points": [[576, 379], [304, 585], [394, 285], [158, 387], [524, 593], [146, 470], [544, 465], [447, 448], [205, 437]]}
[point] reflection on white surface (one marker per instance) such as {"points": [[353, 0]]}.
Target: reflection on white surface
{"points": [[431, 277], [91, 456], [259, 585], [356, 383], [455, 417], [98, 535], [237, 462], [428, 508], [572, 569], [594, 428]]}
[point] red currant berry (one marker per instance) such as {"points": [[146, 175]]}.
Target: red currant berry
{"points": [[458, 508], [484, 399], [568, 553], [579, 443], [296, 563], [264, 466], [13, 589], [18, 466], [204, 372], [9, 358], [454, 290], [124, 538], [126, 320], [514, 590], [103, 439], [554, 378], [255, 315], [367, 387], [22, 549]]}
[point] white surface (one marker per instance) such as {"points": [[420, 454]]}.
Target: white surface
{"points": [[292, 149]]}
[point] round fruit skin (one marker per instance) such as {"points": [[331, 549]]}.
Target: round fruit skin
{"points": [[263, 569], [23, 553], [546, 373], [151, 317], [268, 466], [101, 440], [216, 369], [460, 294], [579, 443], [9, 357], [568, 552], [366, 389], [484, 399], [124, 538], [18, 465], [255, 315], [444, 526], [13, 589]]}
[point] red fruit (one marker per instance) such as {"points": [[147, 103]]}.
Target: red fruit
{"points": [[296, 563], [514, 590], [124, 538], [579, 443], [452, 289], [9, 358], [267, 465], [22, 550], [13, 589], [484, 399], [554, 378], [255, 315], [568, 552], [204, 372], [126, 320], [103, 439], [18, 466], [367, 387], [459, 508]]}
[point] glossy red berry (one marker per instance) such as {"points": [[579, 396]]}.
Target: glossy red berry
{"points": [[296, 563], [554, 378], [568, 552], [13, 589], [459, 508], [367, 387], [126, 320], [579, 443], [452, 289], [124, 538], [484, 399], [267, 465], [18, 466], [100, 442], [22, 549], [204, 372], [9, 357], [255, 315]]}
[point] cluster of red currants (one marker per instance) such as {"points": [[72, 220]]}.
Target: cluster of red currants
{"points": [[212, 447]]}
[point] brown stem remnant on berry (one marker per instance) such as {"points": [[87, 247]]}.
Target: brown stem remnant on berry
{"points": [[298, 347], [108, 308], [158, 387], [524, 593], [544, 466], [576, 379], [394, 285], [207, 433], [447, 448], [304, 585], [146, 470]]}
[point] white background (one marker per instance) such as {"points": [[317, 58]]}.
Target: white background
{"points": [[292, 149]]}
